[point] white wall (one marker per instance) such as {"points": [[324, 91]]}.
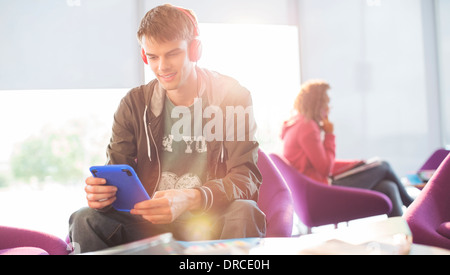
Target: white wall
{"points": [[75, 44], [443, 56], [374, 58]]}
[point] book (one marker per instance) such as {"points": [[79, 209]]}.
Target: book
{"points": [[419, 179], [358, 168], [344, 166], [163, 244]]}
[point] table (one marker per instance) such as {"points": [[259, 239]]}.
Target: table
{"points": [[391, 236]]}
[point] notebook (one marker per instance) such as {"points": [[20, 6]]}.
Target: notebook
{"points": [[360, 167]]}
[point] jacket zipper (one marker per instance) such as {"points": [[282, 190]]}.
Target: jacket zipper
{"points": [[157, 157], [219, 159]]}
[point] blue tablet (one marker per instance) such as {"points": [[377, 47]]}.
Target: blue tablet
{"points": [[129, 188]]}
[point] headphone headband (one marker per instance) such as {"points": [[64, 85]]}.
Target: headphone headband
{"points": [[191, 18], [195, 46]]}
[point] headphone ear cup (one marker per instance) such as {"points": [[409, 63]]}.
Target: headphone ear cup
{"points": [[144, 56], [195, 50]]}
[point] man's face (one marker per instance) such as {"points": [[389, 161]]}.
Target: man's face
{"points": [[169, 62]]}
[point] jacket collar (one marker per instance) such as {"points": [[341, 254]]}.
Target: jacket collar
{"points": [[157, 101], [158, 95]]}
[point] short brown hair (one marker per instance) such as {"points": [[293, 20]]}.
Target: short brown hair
{"points": [[312, 99], [167, 23]]}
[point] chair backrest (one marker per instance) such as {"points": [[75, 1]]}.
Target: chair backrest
{"points": [[429, 215], [275, 199], [298, 184], [439, 185], [433, 162]]}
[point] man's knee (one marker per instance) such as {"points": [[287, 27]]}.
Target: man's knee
{"points": [[81, 214], [85, 216], [243, 209], [242, 219]]}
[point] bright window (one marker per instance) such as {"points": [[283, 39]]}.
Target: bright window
{"points": [[49, 140], [264, 59]]}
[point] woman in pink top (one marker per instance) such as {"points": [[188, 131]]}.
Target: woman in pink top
{"points": [[309, 145]]}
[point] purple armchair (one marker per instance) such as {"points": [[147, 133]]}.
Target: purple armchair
{"points": [[433, 162], [275, 199], [16, 241], [318, 204], [429, 215]]}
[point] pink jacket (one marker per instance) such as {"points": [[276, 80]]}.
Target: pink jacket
{"points": [[305, 149]]}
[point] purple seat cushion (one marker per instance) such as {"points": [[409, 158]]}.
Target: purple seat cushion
{"points": [[444, 229], [23, 251]]}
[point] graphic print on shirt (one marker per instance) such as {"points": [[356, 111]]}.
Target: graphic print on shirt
{"points": [[184, 155], [197, 144], [170, 180]]}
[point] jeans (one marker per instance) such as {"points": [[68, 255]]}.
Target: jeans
{"points": [[382, 179], [94, 230]]}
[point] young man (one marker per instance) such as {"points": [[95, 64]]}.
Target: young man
{"points": [[179, 132]]}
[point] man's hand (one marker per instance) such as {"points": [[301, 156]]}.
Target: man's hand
{"points": [[166, 206], [97, 194]]}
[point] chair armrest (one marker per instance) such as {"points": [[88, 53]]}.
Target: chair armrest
{"points": [[11, 237]]}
